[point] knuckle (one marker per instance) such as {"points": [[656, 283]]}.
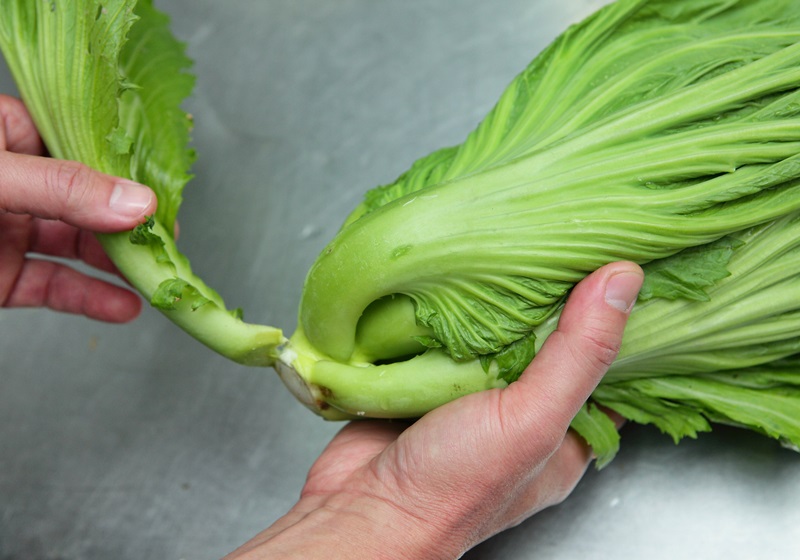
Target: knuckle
{"points": [[12, 111], [601, 349], [68, 182], [17, 130]]}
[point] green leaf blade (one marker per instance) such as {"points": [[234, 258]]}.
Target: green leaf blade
{"points": [[93, 33], [158, 68], [599, 431]]}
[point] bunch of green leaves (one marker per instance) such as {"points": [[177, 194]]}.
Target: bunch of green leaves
{"points": [[662, 132], [648, 128]]}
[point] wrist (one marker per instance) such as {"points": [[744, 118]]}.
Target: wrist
{"points": [[352, 527]]}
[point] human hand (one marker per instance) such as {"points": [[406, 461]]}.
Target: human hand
{"points": [[52, 207], [469, 469]]}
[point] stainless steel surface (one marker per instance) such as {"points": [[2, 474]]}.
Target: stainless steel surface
{"points": [[134, 442]]}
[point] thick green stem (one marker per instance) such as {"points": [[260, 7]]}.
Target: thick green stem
{"points": [[406, 389], [198, 310]]}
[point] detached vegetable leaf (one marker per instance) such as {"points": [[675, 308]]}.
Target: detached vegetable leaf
{"points": [[104, 81]]}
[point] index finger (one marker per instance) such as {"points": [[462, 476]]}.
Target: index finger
{"points": [[71, 192], [18, 132]]}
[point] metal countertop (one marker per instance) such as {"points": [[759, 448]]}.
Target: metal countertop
{"points": [[135, 442]]}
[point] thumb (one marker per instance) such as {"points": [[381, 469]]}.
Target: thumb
{"points": [[578, 353], [71, 192]]}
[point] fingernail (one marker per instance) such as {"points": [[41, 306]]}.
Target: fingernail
{"points": [[130, 199], [622, 289]]}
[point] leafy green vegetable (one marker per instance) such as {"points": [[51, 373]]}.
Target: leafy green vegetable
{"points": [[662, 132], [633, 136]]}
